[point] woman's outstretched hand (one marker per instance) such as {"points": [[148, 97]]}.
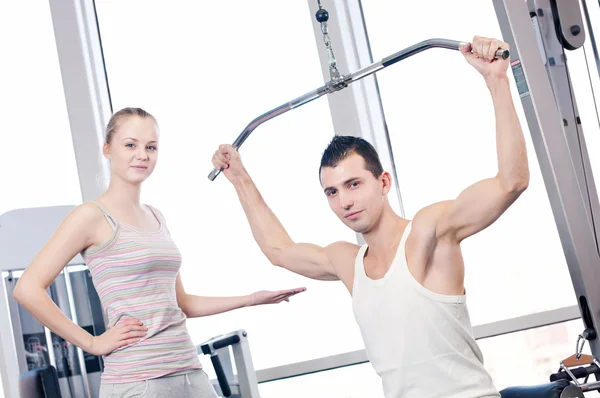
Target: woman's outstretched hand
{"points": [[276, 297]]}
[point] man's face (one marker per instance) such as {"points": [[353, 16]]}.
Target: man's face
{"points": [[355, 195]]}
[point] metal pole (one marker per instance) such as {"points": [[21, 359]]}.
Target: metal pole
{"points": [[80, 358]]}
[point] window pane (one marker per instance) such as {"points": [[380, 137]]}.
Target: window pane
{"points": [[517, 359], [204, 81], [442, 127], [531, 356], [358, 381], [37, 161]]}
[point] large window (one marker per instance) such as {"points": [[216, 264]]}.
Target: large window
{"points": [[442, 128], [518, 359], [205, 69], [357, 381], [37, 161]]}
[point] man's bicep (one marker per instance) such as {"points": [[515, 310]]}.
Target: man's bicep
{"points": [[475, 209]]}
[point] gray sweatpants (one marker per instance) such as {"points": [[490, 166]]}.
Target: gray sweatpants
{"points": [[190, 385]]}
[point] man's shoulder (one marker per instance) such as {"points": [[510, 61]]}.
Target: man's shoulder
{"points": [[426, 219], [433, 210], [343, 255], [342, 250]]}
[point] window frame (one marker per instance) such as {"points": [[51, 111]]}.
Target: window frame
{"points": [[88, 100]]}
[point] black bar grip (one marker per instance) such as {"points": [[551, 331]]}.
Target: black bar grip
{"points": [[223, 383], [231, 340], [579, 373]]}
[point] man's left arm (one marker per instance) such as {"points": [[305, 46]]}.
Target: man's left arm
{"points": [[481, 204]]}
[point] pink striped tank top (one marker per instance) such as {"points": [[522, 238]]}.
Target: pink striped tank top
{"points": [[134, 274]]}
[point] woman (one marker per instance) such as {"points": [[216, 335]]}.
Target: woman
{"points": [[135, 269]]}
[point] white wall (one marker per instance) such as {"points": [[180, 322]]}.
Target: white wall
{"points": [[37, 162]]}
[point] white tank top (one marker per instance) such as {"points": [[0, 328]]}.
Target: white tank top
{"points": [[420, 343]]}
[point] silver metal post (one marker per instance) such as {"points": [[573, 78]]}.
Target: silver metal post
{"points": [[80, 358], [573, 199], [9, 369], [590, 386], [245, 385], [590, 30], [50, 345], [245, 368]]}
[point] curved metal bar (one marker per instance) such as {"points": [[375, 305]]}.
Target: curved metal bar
{"points": [[295, 103], [331, 87]]}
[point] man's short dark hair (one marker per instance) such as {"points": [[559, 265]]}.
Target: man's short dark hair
{"points": [[342, 146]]}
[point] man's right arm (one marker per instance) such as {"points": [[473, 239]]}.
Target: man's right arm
{"points": [[305, 259]]}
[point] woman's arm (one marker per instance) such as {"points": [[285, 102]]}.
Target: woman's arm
{"points": [[74, 234], [198, 306]]}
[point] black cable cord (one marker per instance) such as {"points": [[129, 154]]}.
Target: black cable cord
{"points": [[591, 85], [580, 148]]}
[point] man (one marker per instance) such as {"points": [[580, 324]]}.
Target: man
{"points": [[407, 280]]}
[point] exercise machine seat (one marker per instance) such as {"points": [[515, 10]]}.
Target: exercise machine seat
{"points": [[548, 390], [39, 383]]}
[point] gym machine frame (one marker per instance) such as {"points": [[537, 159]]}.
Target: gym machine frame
{"points": [[242, 385], [539, 32]]}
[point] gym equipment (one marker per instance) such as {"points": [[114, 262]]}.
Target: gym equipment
{"points": [[25, 343], [555, 389], [544, 84], [39, 383], [338, 82], [579, 366], [244, 385]]}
